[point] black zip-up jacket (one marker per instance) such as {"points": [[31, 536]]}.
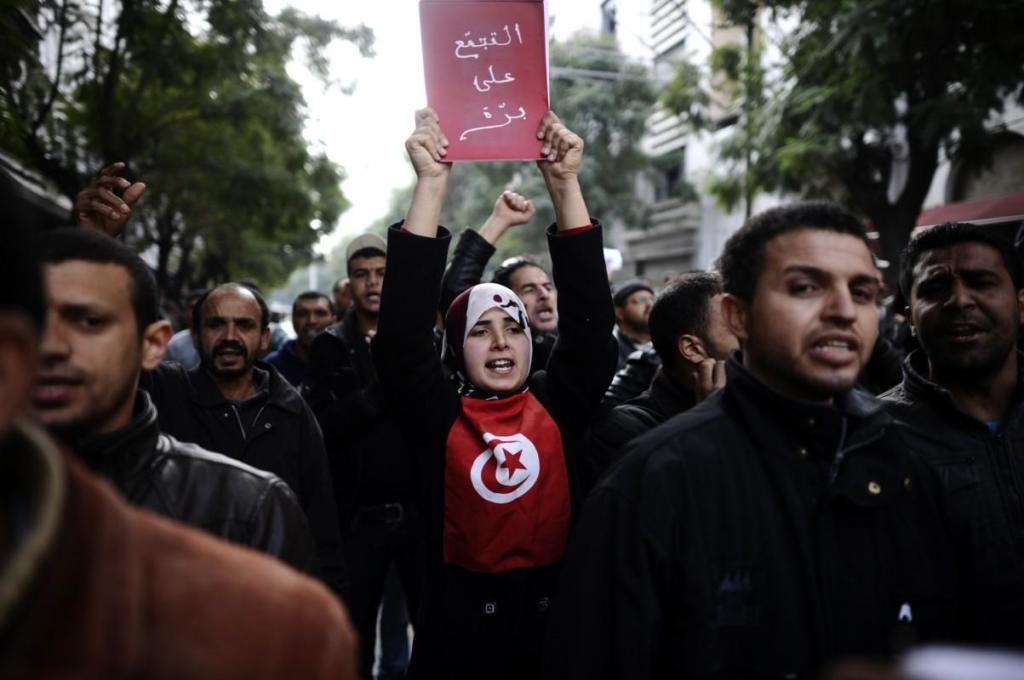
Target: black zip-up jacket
{"points": [[370, 460], [983, 480], [754, 536], [282, 437], [466, 269], [200, 488], [621, 424], [468, 621]]}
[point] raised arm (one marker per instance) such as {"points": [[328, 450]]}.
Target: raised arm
{"points": [[564, 153], [427, 148], [474, 249]]}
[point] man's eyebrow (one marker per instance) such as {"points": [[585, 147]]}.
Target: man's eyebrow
{"points": [[82, 308], [861, 279], [807, 269]]}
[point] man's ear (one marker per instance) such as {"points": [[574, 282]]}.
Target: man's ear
{"points": [[1020, 306], [691, 348], [736, 313], [620, 313], [155, 339], [19, 346], [913, 328], [265, 341]]}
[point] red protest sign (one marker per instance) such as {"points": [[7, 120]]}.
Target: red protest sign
{"points": [[486, 68]]}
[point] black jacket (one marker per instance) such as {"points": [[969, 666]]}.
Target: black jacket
{"points": [[466, 269], [468, 621], [633, 378], [370, 460], [215, 493], [983, 479], [282, 437], [624, 423], [754, 536]]}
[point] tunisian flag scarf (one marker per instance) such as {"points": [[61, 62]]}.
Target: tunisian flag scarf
{"points": [[506, 486]]}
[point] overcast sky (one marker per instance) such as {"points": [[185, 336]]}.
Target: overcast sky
{"points": [[364, 131]]}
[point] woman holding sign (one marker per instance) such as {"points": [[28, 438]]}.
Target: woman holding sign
{"points": [[500, 453]]}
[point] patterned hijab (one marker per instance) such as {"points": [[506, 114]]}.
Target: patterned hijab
{"points": [[464, 312]]}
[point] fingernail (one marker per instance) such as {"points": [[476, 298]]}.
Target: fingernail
{"points": [[545, 150], [551, 157], [125, 209]]}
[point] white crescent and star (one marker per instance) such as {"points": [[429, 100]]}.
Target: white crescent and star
{"points": [[514, 471]]}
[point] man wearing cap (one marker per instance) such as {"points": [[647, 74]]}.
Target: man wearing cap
{"points": [[633, 300], [370, 464]]}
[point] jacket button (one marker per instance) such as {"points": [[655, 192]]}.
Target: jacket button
{"points": [[802, 451], [227, 415], [266, 426], [811, 421], [907, 484], [874, 488]]}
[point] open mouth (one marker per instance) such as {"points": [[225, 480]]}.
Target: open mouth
{"points": [[964, 332], [836, 349], [501, 366]]}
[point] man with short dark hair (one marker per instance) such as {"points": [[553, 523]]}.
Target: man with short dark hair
{"points": [[962, 400], [94, 587], [691, 338], [342, 292], [780, 524], [241, 407], [632, 300], [372, 466], [311, 313], [102, 330]]}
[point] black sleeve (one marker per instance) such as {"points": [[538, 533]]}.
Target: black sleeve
{"points": [[165, 384], [317, 498], [585, 356], [412, 379], [466, 268], [611, 431], [633, 378]]}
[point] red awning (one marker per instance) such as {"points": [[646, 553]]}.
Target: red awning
{"points": [[981, 211]]}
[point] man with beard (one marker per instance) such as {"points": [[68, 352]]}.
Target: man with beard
{"points": [[241, 407], [690, 336], [103, 328], [371, 465], [780, 524], [962, 399], [525, 277], [633, 300], [311, 313], [231, 403]]}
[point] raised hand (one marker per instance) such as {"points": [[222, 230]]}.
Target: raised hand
{"points": [[511, 209], [99, 208], [562, 150], [427, 146], [708, 377]]}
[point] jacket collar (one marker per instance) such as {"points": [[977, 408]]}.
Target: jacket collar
{"points": [[127, 449], [279, 392], [670, 396], [919, 388], [853, 417]]}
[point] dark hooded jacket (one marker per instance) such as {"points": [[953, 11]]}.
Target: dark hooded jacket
{"points": [[755, 536], [469, 620], [273, 431], [982, 477], [206, 490]]}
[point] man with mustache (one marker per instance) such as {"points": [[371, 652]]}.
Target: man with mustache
{"points": [[962, 400], [780, 524], [311, 313], [103, 329], [232, 403]]}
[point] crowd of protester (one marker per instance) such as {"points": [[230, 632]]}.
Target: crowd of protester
{"points": [[756, 471]]}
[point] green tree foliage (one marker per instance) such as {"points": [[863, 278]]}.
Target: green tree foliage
{"points": [[195, 97], [871, 93], [600, 95]]}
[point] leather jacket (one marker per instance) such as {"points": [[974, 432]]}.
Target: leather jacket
{"points": [[206, 490]]}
